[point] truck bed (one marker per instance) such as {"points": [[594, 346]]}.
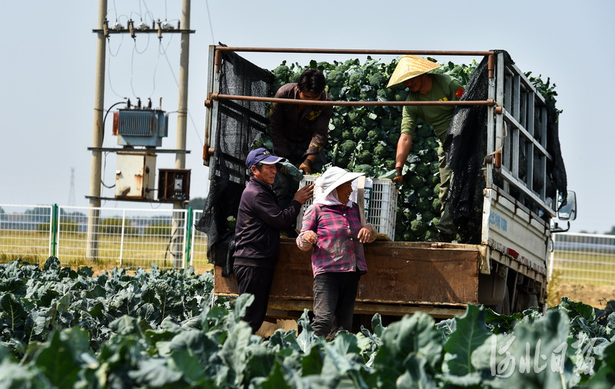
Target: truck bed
{"points": [[402, 278]]}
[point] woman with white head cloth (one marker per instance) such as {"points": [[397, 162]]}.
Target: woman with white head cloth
{"points": [[332, 227]]}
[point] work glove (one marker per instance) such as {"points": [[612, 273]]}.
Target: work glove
{"points": [[399, 178], [290, 170]]}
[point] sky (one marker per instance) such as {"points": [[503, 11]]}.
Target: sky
{"points": [[49, 62]]}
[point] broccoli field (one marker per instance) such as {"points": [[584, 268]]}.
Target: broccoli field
{"points": [[364, 139], [66, 328]]}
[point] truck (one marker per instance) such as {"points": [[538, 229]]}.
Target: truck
{"points": [[521, 194]]}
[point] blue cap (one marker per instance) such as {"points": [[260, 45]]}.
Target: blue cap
{"points": [[261, 155]]}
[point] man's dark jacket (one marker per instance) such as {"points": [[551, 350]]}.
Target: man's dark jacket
{"points": [[259, 221]]}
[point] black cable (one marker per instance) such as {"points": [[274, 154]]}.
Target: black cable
{"points": [[103, 140]]}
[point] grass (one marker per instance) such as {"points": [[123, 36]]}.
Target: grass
{"points": [[130, 252], [593, 268]]}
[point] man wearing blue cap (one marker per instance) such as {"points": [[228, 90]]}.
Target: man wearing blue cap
{"points": [[257, 232]]}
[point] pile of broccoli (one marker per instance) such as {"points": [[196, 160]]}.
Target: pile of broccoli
{"points": [[364, 139]]}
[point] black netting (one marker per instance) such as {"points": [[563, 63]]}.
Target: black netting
{"points": [[238, 124], [465, 150], [465, 147], [555, 167]]}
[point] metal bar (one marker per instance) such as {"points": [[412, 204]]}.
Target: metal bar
{"points": [[162, 151], [531, 124], [353, 51], [217, 96], [145, 31], [496, 131], [518, 126], [211, 114], [521, 186], [122, 236], [54, 225], [151, 201], [526, 82]]}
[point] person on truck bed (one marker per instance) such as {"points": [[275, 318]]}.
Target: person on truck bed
{"points": [[412, 71], [257, 232], [333, 227], [299, 131]]}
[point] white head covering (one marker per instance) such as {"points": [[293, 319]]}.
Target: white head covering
{"points": [[325, 185]]}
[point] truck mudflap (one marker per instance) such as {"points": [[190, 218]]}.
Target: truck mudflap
{"points": [[402, 278]]}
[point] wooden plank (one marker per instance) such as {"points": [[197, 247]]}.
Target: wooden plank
{"points": [[400, 275], [405, 273]]}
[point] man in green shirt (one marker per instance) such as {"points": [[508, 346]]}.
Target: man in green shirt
{"points": [[412, 71]]}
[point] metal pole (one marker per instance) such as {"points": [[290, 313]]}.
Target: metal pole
{"points": [[182, 115], [217, 96], [97, 138], [354, 51]]}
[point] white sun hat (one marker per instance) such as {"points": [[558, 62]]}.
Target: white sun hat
{"points": [[334, 177], [410, 66]]}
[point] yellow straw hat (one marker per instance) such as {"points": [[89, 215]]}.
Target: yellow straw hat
{"points": [[410, 66]]}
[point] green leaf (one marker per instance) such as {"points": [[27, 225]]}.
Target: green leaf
{"points": [[312, 362], [154, 373], [233, 352], [411, 336], [531, 356], [275, 380], [60, 358], [470, 333], [13, 312], [574, 309], [605, 376], [189, 365], [415, 377]]}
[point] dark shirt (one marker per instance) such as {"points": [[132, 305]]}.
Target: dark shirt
{"points": [[259, 221], [308, 130]]}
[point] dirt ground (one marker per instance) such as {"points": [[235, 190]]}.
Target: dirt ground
{"points": [[268, 328], [596, 296]]}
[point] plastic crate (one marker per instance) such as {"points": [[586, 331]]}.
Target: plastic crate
{"points": [[380, 204]]}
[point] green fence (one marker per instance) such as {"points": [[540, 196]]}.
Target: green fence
{"points": [[83, 236]]}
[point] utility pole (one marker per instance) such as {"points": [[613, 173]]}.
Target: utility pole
{"points": [[97, 139], [71, 193], [180, 159], [182, 116]]}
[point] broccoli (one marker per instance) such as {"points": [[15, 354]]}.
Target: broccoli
{"points": [[424, 192], [348, 146], [368, 121], [364, 168], [416, 181], [417, 226], [380, 151], [365, 156], [336, 78], [359, 133], [421, 169], [423, 205], [373, 135], [377, 80], [424, 131], [282, 73], [392, 138], [356, 76]]}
